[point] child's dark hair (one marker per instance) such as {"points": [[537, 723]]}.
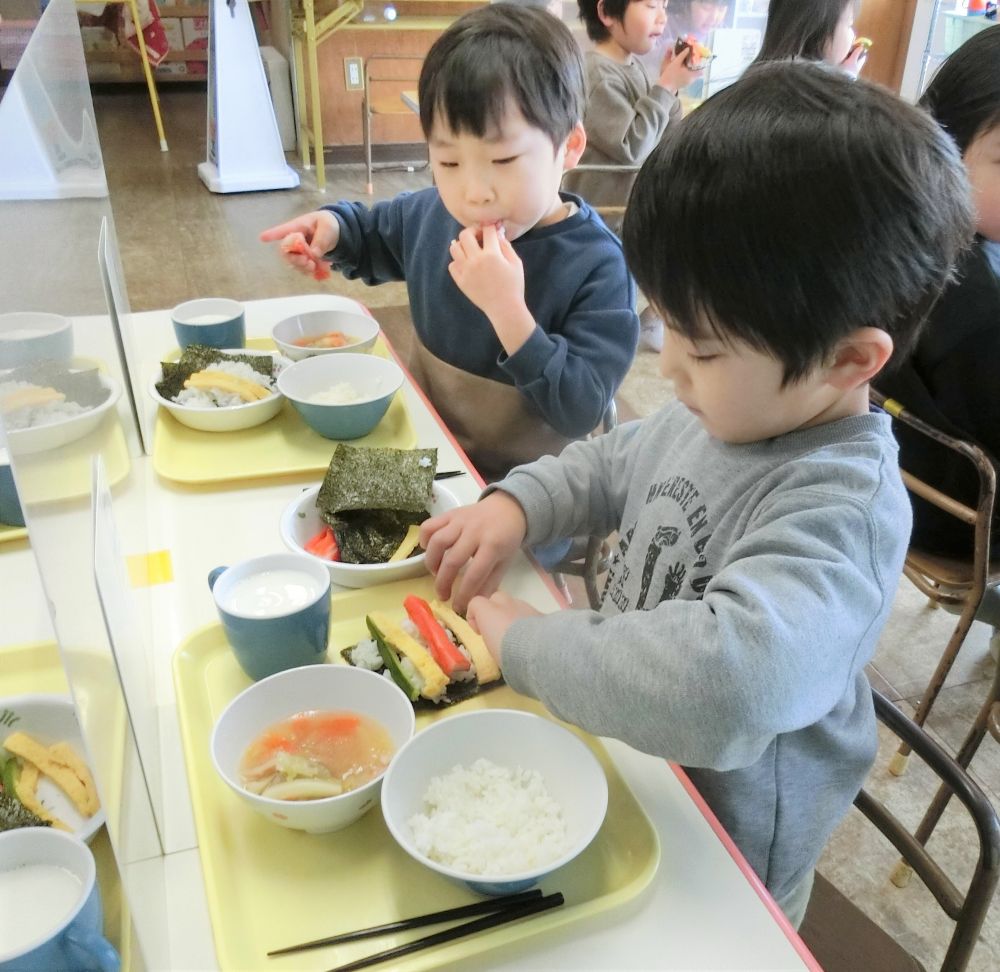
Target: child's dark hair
{"points": [[499, 53], [964, 96], [800, 28], [596, 31], [795, 206]]}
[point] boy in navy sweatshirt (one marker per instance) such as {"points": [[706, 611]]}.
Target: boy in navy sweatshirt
{"points": [[523, 309], [794, 232]]}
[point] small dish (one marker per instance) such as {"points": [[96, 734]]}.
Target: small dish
{"points": [[231, 418], [372, 379], [361, 328], [50, 719], [27, 336], [301, 521]]}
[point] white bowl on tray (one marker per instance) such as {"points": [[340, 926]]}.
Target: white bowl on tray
{"points": [[50, 719], [360, 327], [52, 435], [301, 521], [571, 774], [27, 336], [228, 418], [281, 696]]}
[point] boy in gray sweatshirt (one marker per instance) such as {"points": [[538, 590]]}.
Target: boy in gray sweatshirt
{"points": [[794, 233]]}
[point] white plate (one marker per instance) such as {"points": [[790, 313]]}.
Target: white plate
{"points": [[60, 433], [50, 719], [230, 418], [301, 521]]}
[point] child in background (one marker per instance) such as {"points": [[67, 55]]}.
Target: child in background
{"points": [[951, 381], [523, 309], [762, 520], [816, 30], [697, 18], [626, 114]]}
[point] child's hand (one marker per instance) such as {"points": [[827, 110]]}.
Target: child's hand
{"points": [[675, 74], [855, 60], [481, 538], [492, 616], [490, 273], [305, 240]]}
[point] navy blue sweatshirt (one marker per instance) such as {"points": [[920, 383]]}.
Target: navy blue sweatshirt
{"points": [[576, 286]]}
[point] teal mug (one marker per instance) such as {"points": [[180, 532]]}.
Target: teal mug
{"points": [[51, 905], [215, 322], [11, 513], [275, 611]]}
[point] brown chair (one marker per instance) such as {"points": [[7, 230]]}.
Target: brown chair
{"points": [[384, 76], [612, 215], [947, 580], [842, 938]]}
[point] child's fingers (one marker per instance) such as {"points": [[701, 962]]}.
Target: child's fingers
{"points": [[507, 251], [282, 230]]}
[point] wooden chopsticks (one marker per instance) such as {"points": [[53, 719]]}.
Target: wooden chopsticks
{"points": [[497, 911]]}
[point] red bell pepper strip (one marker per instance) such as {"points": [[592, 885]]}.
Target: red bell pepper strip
{"points": [[444, 650], [323, 545]]}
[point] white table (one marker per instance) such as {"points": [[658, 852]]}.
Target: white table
{"points": [[703, 910]]}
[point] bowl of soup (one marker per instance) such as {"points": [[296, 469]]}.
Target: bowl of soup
{"points": [[307, 748], [323, 332]]}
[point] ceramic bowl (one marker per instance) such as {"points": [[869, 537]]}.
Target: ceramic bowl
{"points": [[301, 521], [230, 418], [360, 327], [50, 719], [375, 380], [280, 696], [569, 769], [61, 432], [27, 336]]}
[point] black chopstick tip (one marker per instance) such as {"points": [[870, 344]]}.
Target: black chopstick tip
{"points": [[449, 474]]}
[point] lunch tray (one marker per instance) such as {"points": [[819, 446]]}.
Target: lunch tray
{"points": [[269, 887], [283, 446], [37, 668], [10, 533]]}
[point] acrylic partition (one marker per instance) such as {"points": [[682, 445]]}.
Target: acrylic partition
{"points": [[76, 577]]}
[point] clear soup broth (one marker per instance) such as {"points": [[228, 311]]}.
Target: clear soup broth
{"points": [[316, 754]]}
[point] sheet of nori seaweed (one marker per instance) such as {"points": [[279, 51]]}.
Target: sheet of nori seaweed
{"points": [[370, 536], [81, 386], [197, 357], [378, 479]]}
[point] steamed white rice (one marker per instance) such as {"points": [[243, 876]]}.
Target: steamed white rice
{"points": [[31, 416], [340, 393], [219, 397], [489, 819]]}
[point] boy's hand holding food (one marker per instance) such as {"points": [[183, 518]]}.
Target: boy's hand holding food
{"points": [[675, 72], [857, 56], [486, 269], [305, 240], [492, 616], [481, 538]]}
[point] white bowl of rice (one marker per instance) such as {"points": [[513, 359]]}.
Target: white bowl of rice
{"points": [[57, 422], [218, 410], [495, 799]]}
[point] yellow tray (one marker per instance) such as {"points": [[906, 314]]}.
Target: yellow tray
{"points": [[65, 473], [26, 669], [269, 887], [11, 533], [283, 446]]}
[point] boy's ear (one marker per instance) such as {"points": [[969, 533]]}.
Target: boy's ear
{"points": [[576, 142], [859, 358]]}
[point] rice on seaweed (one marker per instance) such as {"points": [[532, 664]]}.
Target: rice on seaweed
{"points": [[44, 392], [201, 377]]}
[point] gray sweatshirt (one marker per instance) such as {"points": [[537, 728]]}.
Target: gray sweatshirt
{"points": [[625, 119], [747, 592]]}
